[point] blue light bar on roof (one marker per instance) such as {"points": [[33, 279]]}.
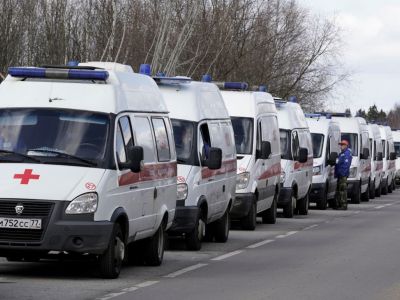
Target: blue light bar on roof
{"points": [[312, 115], [145, 69], [262, 88], [162, 80], [206, 78], [232, 85], [58, 73]]}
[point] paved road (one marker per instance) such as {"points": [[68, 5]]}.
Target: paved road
{"points": [[327, 255]]}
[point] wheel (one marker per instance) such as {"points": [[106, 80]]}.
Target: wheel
{"points": [[390, 187], [154, 247], [378, 191], [322, 203], [365, 196], [385, 188], [193, 239], [356, 197], [269, 216], [372, 191], [111, 260], [221, 228], [14, 258], [394, 184], [249, 222], [303, 205], [288, 210]]}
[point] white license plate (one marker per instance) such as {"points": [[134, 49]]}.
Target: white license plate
{"points": [[20, 223]]}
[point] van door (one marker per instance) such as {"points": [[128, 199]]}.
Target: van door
{"points": [[133, 191], [298, 167]]}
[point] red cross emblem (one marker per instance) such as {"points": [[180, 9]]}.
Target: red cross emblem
{"points": [[26, 176]]}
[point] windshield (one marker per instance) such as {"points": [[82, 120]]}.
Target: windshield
{"points": [[397, 148], [184, 139], [285, 143], [243, 130], [50, 134], [318, 144], [352, 138]]}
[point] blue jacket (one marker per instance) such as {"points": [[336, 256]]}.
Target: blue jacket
{"points": [[342, 168]]}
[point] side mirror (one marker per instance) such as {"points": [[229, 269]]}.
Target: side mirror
{"points": [[303, 155], [392, 155], [214, 160], [135, 160], [332, 158], [379, 156], [265, 152], [365, 153]]}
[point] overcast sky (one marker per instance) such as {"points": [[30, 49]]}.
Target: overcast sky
{"points": [[371, 33]]}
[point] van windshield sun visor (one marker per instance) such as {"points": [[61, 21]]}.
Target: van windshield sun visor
{"points": [[58, 73]]}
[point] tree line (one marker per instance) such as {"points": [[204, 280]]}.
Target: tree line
{"points": [[274, 42], [374, 115]]}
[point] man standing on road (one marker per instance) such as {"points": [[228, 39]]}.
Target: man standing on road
{"points": [[342, 170]]}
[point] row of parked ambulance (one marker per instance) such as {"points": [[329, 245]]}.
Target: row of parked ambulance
{"points": [[99, 160]]}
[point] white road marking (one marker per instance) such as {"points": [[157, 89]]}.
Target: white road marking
{"points": [[111, 295], [230, 254], [260, 244], [310, 227], [130, 289], [185, 270], [379, 207], [146, 284], [286, 235]]}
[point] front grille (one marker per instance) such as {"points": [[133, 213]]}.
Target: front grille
{"points": [[32, 209]]}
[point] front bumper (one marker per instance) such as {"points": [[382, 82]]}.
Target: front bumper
{"points": [[242, 205], [353, 186], [317, 192], [60, 232], [285, 196], [185, 219]]}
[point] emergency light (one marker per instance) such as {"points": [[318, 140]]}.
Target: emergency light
{"points": [[311, 115], [58, 73], [206, 78], [263, 88], [163, 80], [334, 114], [293, 99], [232, 85], [145, 69]]}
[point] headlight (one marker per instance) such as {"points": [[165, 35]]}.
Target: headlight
{"points": [[182, 191], [317, 170], [83, 204], [242, 180], [283, 176], [353, 172]]}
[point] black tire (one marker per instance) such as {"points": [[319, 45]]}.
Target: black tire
{"points": [[288, 210], [111, 260], [249, 222], [154, 247], [323, 202], [378, 191], [14, 258], [356, 197], [269, 216], [385, 189], [390, 187], [135, 254], [221, 228], [365, 196], [194, 239], [303, 205], [372, 191]]}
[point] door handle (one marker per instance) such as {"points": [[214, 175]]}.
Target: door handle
{"points": [[133, 187], [211, 179]]}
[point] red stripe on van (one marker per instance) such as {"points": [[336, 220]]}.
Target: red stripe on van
{"points": [[379, 166], [226, 167], [272, 171], [308, 163], [367, 168], [150, 172]]}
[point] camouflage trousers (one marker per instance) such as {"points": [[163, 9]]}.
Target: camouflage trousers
{"points": [[341, 192]]}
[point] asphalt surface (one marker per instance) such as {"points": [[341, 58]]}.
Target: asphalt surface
{"points": [[351, 254]]}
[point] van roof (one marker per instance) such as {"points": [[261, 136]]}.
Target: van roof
{"points": [[290, 115], [348, 125], [321, 124], [194, 100], [248, 103], [123, 90], [373, 129]]}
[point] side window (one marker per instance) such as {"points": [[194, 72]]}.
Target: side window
{"points": [[162, 143], [144, 138], [258, 145], [328, 150], [124, 138], [204, 141], [228, 140], [270, 132], [295, 145]]}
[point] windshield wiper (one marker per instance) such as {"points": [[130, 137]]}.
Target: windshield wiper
{"points": [[19, 154], [66, 155]]}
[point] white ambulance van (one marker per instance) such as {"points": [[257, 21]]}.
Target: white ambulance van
{"points": [[376, 160], [389, 160], [396, 142], [206, 159], [88, 164], [355, 131], [296, 158], [325, 134], [255, 124]]}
